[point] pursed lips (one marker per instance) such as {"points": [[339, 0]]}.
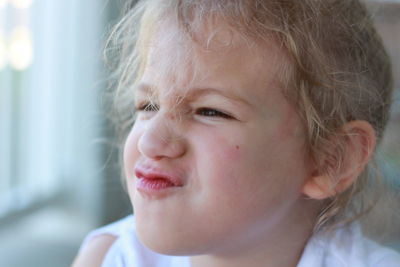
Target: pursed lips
{"points": [[153, 181]]}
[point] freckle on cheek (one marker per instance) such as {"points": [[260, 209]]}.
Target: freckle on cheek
{"points": [[224, 149]]}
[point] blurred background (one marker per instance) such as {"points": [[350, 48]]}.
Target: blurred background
{"points": [[59, 175]]}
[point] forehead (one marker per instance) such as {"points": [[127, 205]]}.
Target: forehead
{"points": [[215, 55]]}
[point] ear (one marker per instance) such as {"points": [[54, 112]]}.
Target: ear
{"points": [[342, 166]]}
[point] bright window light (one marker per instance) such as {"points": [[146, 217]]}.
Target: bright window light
{"points": [[20, 49], [21, 3], [3, 3]]}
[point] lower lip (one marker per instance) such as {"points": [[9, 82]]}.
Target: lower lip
{"points": [[155, 187]]}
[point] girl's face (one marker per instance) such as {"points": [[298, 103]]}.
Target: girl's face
{"points": [[216, 159]]}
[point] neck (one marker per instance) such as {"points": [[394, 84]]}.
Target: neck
{"points": [[281, 245]]}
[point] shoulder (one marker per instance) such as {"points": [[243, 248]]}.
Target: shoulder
{"points": [[382, 256], [97, 244], [352, 247], [347, 247], [118, 245], [93, 253]]}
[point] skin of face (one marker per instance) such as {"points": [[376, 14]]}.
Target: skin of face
{"points": [[223, 126]]}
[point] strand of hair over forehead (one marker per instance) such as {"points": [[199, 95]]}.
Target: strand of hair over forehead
{"points": [[248, 17]]}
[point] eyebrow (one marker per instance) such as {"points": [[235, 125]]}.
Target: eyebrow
{"points": [[195, 92]]}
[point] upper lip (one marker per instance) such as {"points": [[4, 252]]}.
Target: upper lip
{"points": [[149, 172]]}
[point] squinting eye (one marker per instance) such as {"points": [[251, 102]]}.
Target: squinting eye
{"points": [[148, 107], [209, 112]]}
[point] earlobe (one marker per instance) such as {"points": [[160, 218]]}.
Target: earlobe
{"points": [[342, 167], [319, 187], [324, 186]]}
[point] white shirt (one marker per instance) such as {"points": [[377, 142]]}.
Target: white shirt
{"points": [[342, 248]]}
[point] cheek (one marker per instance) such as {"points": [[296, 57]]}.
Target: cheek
{"points": [[289, 127], [250, 163], [220, 157], [131, 152], [226, 151], [238, 185]]}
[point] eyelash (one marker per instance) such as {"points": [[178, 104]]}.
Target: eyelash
{"points": [[206, 112], [148, 107], [209, 112]]}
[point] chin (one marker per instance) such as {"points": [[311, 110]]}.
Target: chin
{"points": [[163, 244], [169, 242]]}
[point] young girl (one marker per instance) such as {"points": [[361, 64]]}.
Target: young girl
{"points": [[255, 123]]}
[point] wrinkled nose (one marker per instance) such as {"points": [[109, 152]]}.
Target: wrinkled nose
{"points": [[161, 139]]}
